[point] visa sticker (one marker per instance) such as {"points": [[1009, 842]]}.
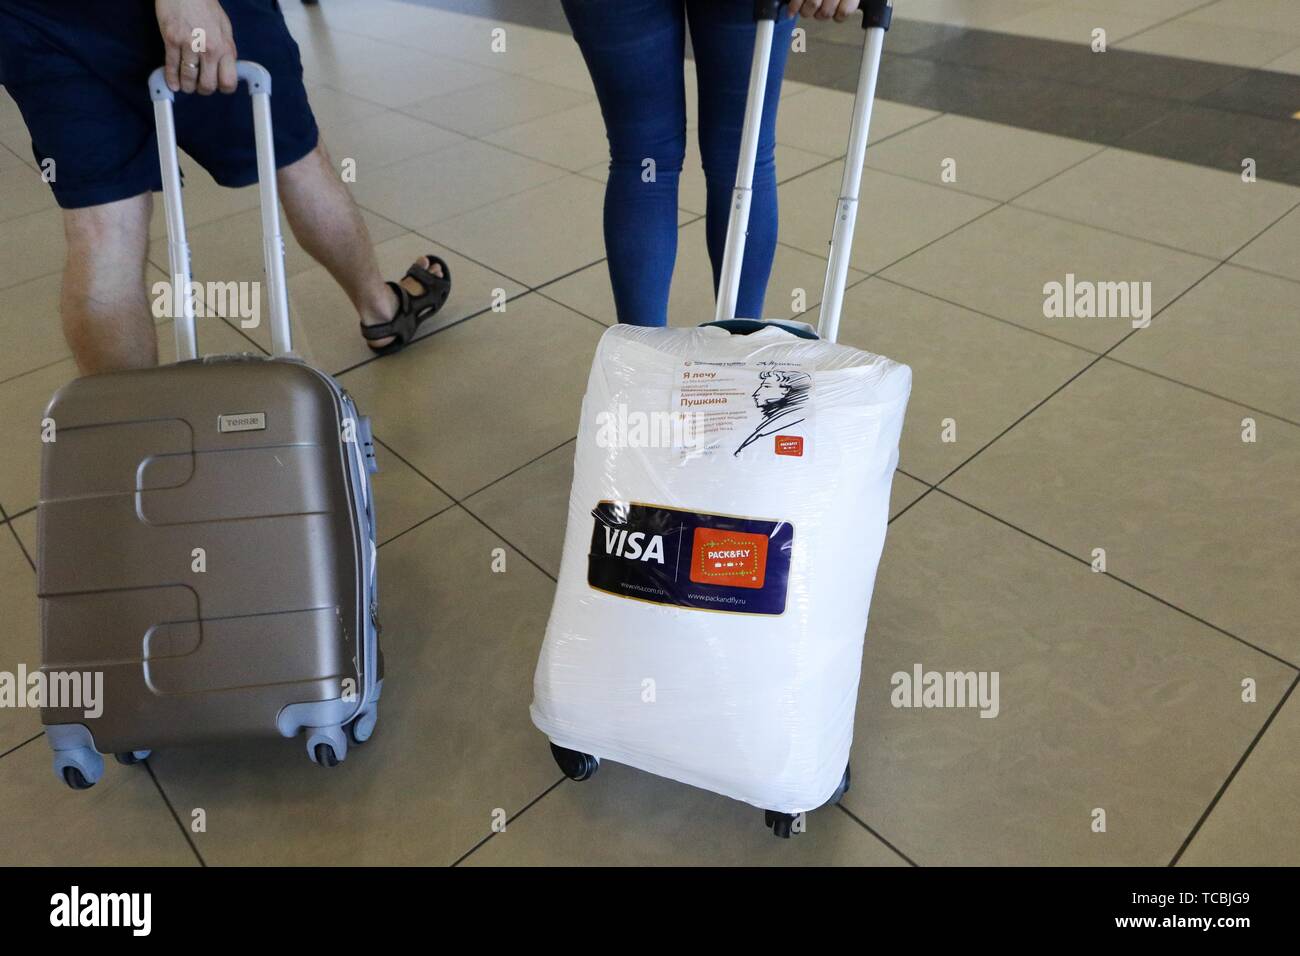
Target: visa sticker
{"points": [[690, 559]]}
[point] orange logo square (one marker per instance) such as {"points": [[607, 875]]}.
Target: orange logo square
{"points": [[736, 559], [789, 445]]}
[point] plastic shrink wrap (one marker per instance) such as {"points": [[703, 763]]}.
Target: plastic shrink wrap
{"points": [[729, 503]]}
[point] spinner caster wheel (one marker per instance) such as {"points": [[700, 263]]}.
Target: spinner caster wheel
{"points": [[845, 782], [132, 757], [575, 764], [781, 824], [363, 728], [80, 768], [327, 746], [75, 779]]}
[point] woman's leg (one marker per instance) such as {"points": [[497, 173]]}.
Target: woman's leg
{"points": [[635, 52], [722, 35]]}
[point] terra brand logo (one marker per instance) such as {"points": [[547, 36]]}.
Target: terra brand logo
{"points": [[245, 422], [74, 908]]}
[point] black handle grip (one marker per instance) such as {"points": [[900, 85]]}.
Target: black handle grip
{"points": [[749, 326], [877, 13], [768, 9]]}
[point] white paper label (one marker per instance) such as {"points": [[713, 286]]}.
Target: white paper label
{"points": [[745, 410]]}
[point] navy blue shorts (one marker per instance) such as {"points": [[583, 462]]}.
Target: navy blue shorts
{"points": [[78, 72]]}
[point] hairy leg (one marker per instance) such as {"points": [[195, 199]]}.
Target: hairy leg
{"points": [[106, 316], [328, 225]]}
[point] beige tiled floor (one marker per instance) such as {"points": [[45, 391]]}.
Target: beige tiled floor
{"points": [[1275, 249], [1198, 40], [1000, 263], [987, 159], [1110, 700], [1119, 690], [1200, 210]]}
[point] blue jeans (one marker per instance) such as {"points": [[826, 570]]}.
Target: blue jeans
{"points": [[635, 50]]}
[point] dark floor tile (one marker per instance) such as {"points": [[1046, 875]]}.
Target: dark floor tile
{"points": [[940, 86], [1197, 112], [1020, 55], [1063, 109], [905, 36], [1221, 140], [1161, 77], [1261, 92], [844, 34], [530, 13], [1124, 71], [916, 36], [825, 64]]}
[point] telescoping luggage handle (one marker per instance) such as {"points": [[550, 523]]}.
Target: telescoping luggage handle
{"points": [[876, 16], [258, 81]]}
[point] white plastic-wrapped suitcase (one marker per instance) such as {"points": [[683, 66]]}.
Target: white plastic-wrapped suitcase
{"points": [[207, 533], [728, 511]]}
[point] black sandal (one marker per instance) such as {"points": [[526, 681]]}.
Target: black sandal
{"points": [[411, 309]]}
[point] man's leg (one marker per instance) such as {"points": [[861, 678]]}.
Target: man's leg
{"points": [[328, 225], [106, 315]]}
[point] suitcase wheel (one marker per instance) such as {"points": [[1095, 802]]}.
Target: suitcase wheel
{"points": [[843, 788], [574, 764], [132, 757], [363, 728], [79, 768], [75, 779], [327, 746], [781, 824]]}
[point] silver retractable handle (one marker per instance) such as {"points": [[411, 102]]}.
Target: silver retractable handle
{"points": [[258, 81], [733, 255], [876, 19]]}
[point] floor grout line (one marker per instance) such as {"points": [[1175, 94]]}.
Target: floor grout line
{"points": [[986, 212], [1164, 308], [565, 305], [509, 820], [172, 810], [510, 544], [1177, 16], [516, 470], [419, 524], [1146, 239], [33, 371], [405, 461], [866, 826], [9, 523], [20, 746], [1204, 391], [1101, 356], [912, 504], [987, 315], [1037, 405], [1114, 577], [1233, 774]]}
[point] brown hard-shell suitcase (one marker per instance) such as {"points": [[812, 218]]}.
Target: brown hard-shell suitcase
{"points": [[207, 546]]}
